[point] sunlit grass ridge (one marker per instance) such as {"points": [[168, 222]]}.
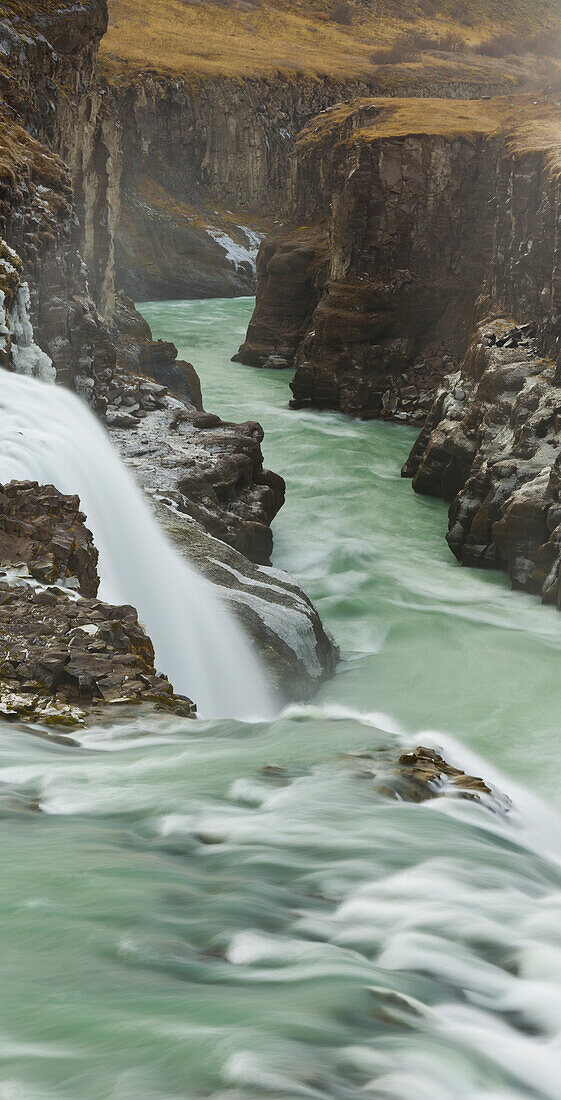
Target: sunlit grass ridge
{"points": [[314, 37]]}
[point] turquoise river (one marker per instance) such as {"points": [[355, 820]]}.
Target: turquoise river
{"points": [[182, 921]]}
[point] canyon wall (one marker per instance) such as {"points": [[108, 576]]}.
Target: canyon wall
{"points": [[491, 444], [427, 289], [60, 165], [402, 215], [205, 168]]}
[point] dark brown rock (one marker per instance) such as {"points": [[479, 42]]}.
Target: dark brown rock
{"points": [[46, 531], [61, 650], [494, 452], [423, 775]]}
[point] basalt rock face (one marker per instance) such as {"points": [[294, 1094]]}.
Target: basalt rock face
{"points": [[65, 656], [389, 298], [50, 85], [48, 64], [401, 284], [492, 446], [207, 469], [46, 530], [415, 210], [206, 158]]}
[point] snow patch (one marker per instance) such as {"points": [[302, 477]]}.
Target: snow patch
{"points": [[238, 254]]}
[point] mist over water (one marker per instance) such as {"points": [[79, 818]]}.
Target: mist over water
{"points": [[182, 920]]}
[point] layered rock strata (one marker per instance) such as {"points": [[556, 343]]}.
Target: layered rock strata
{"points": [[65, 656], [415, 208], [205, 168]]}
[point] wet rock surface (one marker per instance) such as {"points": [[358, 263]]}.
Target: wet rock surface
{"points": [[207, 469], [422, 775], [492, 446], [294, 646], [65, 655]]}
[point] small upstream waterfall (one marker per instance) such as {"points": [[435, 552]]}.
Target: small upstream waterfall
{"points": [[48, 435]]}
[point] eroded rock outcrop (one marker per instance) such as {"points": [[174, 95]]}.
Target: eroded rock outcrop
{"points": [[492, 446], [210, 470], [412, 206], [64, 655]]}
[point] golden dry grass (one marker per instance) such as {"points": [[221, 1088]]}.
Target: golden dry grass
{"points": [[224, 39], [158, 199], [526, 125], [21, 155]]}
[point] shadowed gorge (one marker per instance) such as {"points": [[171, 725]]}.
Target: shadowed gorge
{"points": [[280, 549]]}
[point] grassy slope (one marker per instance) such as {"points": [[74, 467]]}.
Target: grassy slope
{"points": [[261, 37], [530, 125]]}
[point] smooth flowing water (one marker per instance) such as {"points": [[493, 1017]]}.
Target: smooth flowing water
{"points": [[182, 920]]}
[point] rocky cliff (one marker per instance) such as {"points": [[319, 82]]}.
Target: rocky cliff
{"points": [[210, 99], [433, 288], [204, 173], [398, 221], [61, 320], [491, 444]]}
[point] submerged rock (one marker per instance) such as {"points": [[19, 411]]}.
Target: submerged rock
{"points": [[422, 775]]}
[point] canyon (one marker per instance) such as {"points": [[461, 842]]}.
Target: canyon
{"points": [[64, 320], [399, 206], [277, 833], [416, 279]]}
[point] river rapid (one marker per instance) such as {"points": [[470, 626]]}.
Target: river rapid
{"points": [[226, 909]]}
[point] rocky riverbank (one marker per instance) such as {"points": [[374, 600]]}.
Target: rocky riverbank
{"points": [[66, 657], [492, 446]]}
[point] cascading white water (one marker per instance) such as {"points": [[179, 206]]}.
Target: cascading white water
{"points": [[47, 434]]}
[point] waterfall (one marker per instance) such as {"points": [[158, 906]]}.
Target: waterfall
{"points": [[47, 434]]}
